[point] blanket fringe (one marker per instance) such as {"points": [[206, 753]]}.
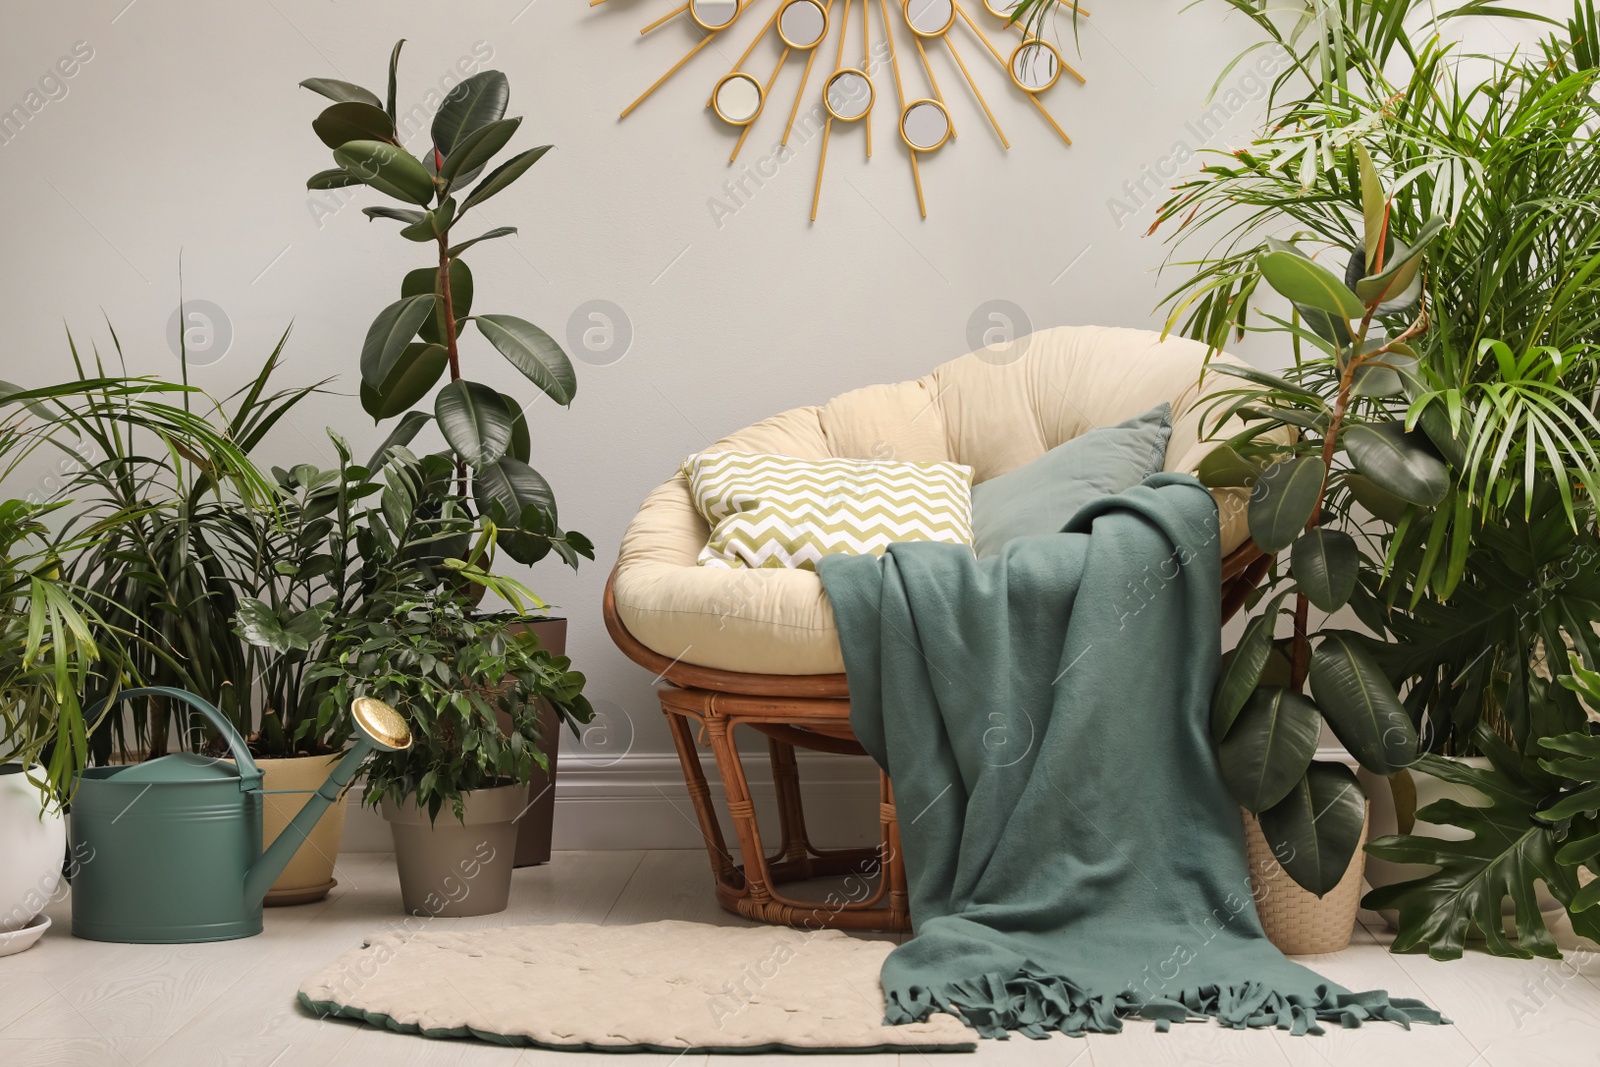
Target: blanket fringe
{"points": [[1035, 1004]]}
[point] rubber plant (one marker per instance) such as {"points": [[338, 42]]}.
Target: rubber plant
{"points": [[1462, 596], [1541, 820], [1265, 725], [416, 340]]}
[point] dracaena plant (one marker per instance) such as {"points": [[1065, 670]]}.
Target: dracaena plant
{"points": [[415, 342], [1265, 725]]}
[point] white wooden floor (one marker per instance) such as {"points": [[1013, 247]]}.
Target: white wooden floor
{"points": [[75, 1002]]}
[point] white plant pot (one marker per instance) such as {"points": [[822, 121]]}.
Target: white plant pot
{"points": [[1429, 789], [33, 844]]}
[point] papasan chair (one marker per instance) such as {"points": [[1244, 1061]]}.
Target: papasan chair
{"points": [[757, 647]]}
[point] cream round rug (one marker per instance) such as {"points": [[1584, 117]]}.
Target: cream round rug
{"points": [[663, 987]]}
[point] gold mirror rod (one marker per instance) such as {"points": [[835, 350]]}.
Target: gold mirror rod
{"points": [[707, 39]]}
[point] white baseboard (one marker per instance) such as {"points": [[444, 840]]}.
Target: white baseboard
{"points": [[639, 802]]}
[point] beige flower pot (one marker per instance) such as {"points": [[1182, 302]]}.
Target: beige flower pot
{"points": [[456, 867], [1295, 920], [309, 875]]}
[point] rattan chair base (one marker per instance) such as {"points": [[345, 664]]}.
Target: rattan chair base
{"points": [[799, 711]]}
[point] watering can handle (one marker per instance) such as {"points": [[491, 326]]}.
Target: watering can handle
{"points": [[236, 744]]}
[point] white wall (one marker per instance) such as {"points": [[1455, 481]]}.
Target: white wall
{"points": [[186, 133]]}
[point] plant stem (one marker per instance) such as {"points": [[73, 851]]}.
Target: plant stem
{"points": [[448, 313]]}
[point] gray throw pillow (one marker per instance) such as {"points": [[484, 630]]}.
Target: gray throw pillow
{"points": [[1041, 497]]}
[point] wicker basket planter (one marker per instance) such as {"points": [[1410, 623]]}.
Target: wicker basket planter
{"points": [[1297, 921]]}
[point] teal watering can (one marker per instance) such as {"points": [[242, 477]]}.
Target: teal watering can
{"points": [[169, 851]]}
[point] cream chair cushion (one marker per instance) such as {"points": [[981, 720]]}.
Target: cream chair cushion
{"points": [[993, 417]]}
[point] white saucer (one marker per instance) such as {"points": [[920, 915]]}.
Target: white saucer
{"points": [[20, 940]]}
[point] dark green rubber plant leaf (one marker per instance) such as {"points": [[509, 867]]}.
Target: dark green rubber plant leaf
{"points": [[1361, 705], [433, 224], [1380, 374], [472, 105], [1270, 746], [389, 334], [1376, 499], [1304, 281], [521, 442], [1241, 669], [353, 121], [518, 499], [337, 178], [404, 432], [1401, 270], [475, 422], [414, 373], [477, 148], [408, 215], [1314, 830], [1507, 850], [1224, 467], [426, 280], [487, 235], [533, 352], [1325, 564], [1399, 462], [387, 169], [1434, 418], [342, 91], [1282, 501], [394, 73], [504, 175]]}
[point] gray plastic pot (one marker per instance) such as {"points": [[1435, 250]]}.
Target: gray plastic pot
{"points": [[454, 867]]}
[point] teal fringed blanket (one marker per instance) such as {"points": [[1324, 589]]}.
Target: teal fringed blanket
{"points": [[1071, 851]]}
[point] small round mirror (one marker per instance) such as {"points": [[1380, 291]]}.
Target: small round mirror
{"points": [[848, 95], [714, 14], [1001, 9], [924, 125], [1035, 66], [737, 99], [802, 24], [930, 18], [382, 725]]}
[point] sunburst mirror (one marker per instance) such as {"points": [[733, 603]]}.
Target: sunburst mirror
{"points": [[1030, 64]]}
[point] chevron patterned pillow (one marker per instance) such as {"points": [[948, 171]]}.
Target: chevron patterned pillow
{"points": [[779, 511]]}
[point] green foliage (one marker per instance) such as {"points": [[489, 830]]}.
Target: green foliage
{"points": [[163, 525], [414, 341], [423, 652], [57, 649], [1422, 230], [1538, 824]]}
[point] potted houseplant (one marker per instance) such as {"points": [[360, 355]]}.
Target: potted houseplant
{"points": [[303, 568], [416, 343], [1533, 816], [54, 645], [1465, 588], [471, 687], [177, 551], [1313, 813], [47, 655]]}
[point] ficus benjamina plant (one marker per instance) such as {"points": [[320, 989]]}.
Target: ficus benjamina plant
{"points": [[415, 342]]}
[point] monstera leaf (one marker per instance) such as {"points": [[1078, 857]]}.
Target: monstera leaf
{"points": [[1509, 849]]}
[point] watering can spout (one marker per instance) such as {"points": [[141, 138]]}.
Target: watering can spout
{"points": [[378, 728]]}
